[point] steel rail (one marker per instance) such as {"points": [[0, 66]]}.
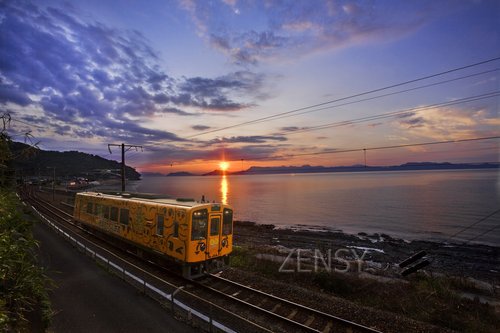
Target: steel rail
{"points": [[257, 308], [328, 316]]}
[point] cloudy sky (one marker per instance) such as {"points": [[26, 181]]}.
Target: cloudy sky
{"points": [[253, 82]]}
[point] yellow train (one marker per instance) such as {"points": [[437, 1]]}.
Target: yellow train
{"points": [[196, 235]]}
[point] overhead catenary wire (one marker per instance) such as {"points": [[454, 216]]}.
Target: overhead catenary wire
{"points": [[423, 254], [482, 219], [357, 95], [345, 98], [482, 234], [341, 151], [393, 114], [335, 151], [381, 96], [349, 97]]}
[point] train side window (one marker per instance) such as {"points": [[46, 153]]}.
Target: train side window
{"points": [[214, 226], [106, 211], [160, 219], [227, 222], [97, 209], [124, 216], [199, 224], [114, 214], [176, 229], [89, 208]]}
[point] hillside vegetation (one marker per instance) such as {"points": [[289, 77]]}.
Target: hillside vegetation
{"points": [[67, 164], [24, 301]]}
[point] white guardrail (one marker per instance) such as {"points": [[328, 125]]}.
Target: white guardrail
{"points": [[168, 297]]}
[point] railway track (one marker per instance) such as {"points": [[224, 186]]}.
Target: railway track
{"points": [[291, 316], [257, 311]]}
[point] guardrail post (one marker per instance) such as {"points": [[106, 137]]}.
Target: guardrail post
{"points": [[210, 318], [173, 296]]}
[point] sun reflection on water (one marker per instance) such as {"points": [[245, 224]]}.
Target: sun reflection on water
{"points": [[224, 189]]}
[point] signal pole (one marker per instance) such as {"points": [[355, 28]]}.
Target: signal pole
{"points": [[123, 157]]}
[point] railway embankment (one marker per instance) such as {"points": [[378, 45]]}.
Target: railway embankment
{"points": [[358, 277]]}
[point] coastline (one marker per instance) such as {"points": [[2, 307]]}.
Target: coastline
{"points": [[383, 253]]}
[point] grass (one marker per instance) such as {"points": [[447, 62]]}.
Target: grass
{"points": [[23, 284], [431, 299]]}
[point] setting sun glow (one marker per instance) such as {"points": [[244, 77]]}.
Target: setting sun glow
{"points": [[224, 165]]}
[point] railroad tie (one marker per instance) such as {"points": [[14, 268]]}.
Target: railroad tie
{"points": [[262, 302], [226, 288], [328, 327], [292, 314], [309, 320]]}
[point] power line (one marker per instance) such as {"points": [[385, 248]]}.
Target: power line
{"points": [[422, 254], [394, 146], [483, 233], [344, 98], [484, 218], [26, 123], [394, 113], [381, 96], [334, 151]]}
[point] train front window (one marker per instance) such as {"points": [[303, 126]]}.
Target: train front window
{"points": [[199, 225], [214, 226], [227, 222]]}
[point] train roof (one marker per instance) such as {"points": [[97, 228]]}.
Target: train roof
{"points": [[147, 197]]}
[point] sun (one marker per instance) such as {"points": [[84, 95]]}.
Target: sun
{"points": [[223, 165]]}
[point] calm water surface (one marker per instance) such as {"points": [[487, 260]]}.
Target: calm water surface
{"points": [[412, 204]]}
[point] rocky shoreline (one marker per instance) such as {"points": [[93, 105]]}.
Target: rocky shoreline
{"points": [[381, 253]]}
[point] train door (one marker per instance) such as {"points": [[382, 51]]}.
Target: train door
{"points": [[214, 235]]}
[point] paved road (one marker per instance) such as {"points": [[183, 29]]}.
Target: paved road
{"points": [[88, 299]]}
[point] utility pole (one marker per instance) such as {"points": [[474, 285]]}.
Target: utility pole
{"points": [[123, 157]]}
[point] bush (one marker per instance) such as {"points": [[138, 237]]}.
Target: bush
{"points": [[23, 285]]}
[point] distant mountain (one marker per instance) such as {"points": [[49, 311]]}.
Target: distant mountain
{"points": [[67, 164], [180, 174], [361, 168], [153, 174], [216, 173]]}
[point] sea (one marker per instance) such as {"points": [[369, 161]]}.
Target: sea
{"points": [[444, 205]]}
